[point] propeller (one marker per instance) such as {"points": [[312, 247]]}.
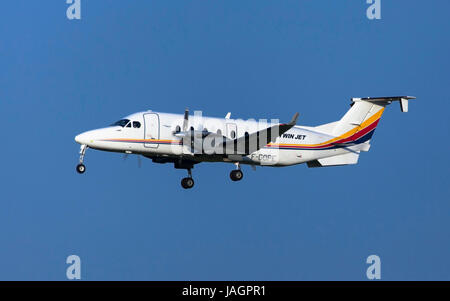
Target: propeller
{"points": [[185, 128], [186, 119]]}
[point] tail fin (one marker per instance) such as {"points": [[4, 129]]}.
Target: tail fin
{"points": [[365, 114], [359, 123], [356, 127]]}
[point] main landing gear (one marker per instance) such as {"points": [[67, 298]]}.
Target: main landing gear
{"points": [[237, 174], [80, 167], [188, 182]]}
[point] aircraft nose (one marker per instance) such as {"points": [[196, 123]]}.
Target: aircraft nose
{"points": [[81, 138]]}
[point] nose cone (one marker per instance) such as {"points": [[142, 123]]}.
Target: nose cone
{"points": [[82, 138], [92, 138]]}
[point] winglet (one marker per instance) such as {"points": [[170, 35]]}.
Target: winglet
{"points": [[228, 115], [294, 119]]}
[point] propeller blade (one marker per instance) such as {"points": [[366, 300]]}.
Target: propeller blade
{"points": [[186, 119]]}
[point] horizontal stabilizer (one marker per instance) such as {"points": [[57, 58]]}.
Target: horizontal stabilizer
{"points": [[387, 100], [346, 159]]}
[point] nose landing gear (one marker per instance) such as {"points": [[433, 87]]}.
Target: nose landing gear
{"points": [[237, 174], [80, 167], [188, 182]]}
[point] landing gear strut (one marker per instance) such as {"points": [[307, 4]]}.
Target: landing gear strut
{"points": [[188, 182], [237, 174], [80, 167]]}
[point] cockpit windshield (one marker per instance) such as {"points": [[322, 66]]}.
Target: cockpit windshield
{"points": [[122, 122]]}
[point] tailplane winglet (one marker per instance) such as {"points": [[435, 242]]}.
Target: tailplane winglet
{"points": [[294, 119]]}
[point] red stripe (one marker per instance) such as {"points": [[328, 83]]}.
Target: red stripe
{"points": [[353, 137]]}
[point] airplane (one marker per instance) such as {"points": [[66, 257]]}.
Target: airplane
{"points": [[185, 140]]}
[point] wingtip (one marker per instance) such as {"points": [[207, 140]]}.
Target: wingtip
{"points": [[294, 118]]}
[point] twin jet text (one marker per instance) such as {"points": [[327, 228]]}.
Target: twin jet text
{"points": [[294, 136]]}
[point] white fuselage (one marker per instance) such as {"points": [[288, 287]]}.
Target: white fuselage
{"points": [[153, 134]]}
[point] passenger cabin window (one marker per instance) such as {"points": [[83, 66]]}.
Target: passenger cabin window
{"points": [[219, 132], [136, 124], [177, 129], [233, 134], [122, 122]]}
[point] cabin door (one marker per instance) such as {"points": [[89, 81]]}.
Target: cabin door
{"points": [[151, 130]]}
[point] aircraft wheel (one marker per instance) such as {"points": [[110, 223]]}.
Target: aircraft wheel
{"points": [[187, 183], [236, 175], [81, 168]]}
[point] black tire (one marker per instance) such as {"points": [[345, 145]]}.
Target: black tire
{"points": [[81, 168], [236, 175], [187, 183]]}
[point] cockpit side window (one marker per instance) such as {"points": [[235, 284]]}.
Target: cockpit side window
{"points": [[129, 124], [122, 122], [136, 124]]}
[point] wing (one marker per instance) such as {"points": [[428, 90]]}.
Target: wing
{"points": [[221, 145], [252, 142]]}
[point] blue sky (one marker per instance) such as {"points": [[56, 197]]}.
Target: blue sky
{"points": [[257, 59]]}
